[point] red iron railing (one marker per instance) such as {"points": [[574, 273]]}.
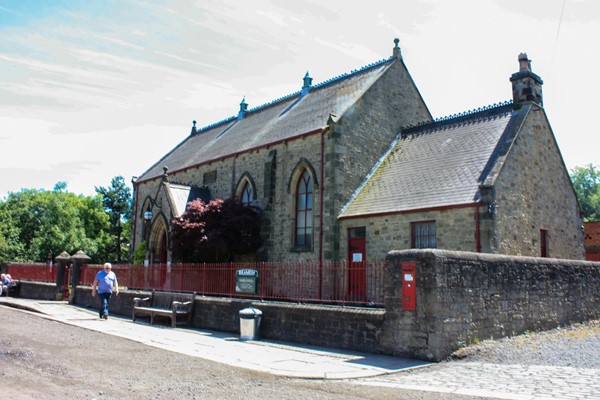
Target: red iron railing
{"points": [[39, 272], [341, 282]]}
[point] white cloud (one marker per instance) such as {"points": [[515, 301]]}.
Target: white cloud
{"points": [[274, 17], [89, 92]]}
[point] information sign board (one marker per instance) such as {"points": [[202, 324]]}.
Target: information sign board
{"points": [[246, 281]]}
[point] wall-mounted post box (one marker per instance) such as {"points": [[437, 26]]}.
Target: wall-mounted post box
{"points": [[409, 286]]}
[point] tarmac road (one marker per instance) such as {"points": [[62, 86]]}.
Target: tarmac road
{"points": [[271, 369]]}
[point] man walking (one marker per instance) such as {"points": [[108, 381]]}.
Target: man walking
{"points": [[105, 282]]}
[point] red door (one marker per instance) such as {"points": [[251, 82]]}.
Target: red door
{"points": [[357, 276]]}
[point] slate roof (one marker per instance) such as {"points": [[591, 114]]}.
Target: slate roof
{"points": [[438, 164], [281, 119]]}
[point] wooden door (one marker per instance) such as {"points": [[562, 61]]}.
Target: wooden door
{"points": [[357, 257]]}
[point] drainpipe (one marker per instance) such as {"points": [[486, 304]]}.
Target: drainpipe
{"points": [[477, 229], [322, 186], [321, 193], [321, 189], [134, 222]]}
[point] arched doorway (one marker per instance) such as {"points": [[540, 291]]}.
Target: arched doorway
{"points": [[159, 246]]}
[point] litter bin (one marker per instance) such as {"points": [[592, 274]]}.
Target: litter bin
{"points": [[249, 323]]}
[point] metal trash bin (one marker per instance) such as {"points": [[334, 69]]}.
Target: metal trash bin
{"points": [[249, 323]]}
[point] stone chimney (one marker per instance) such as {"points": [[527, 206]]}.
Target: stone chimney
{"points": [[526, 86]]}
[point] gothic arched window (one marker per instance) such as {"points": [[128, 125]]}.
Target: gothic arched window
{"points": [[304, 211], [246, 196]]}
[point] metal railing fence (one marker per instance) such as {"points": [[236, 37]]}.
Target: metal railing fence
{"points": [[40, 272], [332, 282]]}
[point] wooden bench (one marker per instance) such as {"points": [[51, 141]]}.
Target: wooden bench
{"points": [[176, 306]]}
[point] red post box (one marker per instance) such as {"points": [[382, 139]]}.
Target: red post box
{"points": [[409, 286]]}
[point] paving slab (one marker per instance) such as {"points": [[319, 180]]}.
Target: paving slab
{"points": [[277, 358]]}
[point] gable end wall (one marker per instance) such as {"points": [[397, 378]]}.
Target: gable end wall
{"points": [[533, 192], [360, 138]]}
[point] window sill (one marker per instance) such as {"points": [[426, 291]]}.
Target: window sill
{"points": [[300, 249]]}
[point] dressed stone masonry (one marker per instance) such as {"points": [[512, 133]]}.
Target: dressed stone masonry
{"points": [[462, 298], [490, 180]]}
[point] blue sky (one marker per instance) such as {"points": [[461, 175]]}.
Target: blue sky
{"points": [[94, 89]]}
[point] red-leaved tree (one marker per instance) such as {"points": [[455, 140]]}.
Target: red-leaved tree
{"points": [[216, 231]]}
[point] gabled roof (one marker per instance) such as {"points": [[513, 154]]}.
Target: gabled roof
{"points": [[282, 119], [438, 164], [180, 195]]}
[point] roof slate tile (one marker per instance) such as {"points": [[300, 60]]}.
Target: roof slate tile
{"points": [[440, 164], [269, 124]]}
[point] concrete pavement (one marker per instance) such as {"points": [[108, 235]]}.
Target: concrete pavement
{"points": [[277, 358]]}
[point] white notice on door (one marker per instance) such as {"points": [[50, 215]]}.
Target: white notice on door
{"points": [[356, 257]]}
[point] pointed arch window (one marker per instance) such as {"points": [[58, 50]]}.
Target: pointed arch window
{"points": [[246, 196], [304, 211]]}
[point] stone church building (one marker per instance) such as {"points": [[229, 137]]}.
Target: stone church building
{"points": [[356, 166]]}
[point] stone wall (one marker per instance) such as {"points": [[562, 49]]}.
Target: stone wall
{"points": [[278, 208], [292, 157], [456, 229], [533, 192], [334, 326], [461, 298], [465, 297], [37, 290]]}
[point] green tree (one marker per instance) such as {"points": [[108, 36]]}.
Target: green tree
{"points": [[116, 200], [10, 246], [60, 186], [586, 181], [96, 225], [36, 223]]}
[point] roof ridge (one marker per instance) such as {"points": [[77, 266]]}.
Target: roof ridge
{"points": [[320, 85], [481, 112], [215, 124], [352, 73]]}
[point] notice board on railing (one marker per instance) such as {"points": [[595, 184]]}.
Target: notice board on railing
{"points": [[246, 281]]}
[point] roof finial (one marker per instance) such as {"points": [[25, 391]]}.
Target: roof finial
{"points": [[194, 130], [307, 83], [396, 51], [243, 109]]}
